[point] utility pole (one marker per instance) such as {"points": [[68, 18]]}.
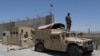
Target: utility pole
{"points": [[38, 20], [7, 44], [89, 31]]}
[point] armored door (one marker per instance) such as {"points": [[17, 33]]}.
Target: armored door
{"points": [[56, 42]]}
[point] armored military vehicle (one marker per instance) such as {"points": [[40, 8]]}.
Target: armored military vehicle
{"points": [[55, 37]]}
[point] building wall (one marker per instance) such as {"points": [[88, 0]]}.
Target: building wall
{"points": [[35, 22], [1, 29]]}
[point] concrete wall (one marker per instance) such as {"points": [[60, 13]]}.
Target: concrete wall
{"points": [[35, 22], [1, 29]]}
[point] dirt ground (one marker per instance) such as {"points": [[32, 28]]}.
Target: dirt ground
{"points": [[17, 51]]}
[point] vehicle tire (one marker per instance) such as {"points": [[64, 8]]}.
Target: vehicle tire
{"points": [[39, 48], [74, 51]]}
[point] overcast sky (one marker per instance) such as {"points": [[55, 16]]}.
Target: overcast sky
{"points": [[84, 13]]}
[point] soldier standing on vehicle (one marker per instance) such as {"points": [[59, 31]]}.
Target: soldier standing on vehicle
{"points": [[68, 22]]}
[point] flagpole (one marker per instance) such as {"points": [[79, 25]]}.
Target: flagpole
{"points": [[51, 6], [51, 12]]}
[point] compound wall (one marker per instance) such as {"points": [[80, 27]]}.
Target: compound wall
{"points": [[35, 22]]}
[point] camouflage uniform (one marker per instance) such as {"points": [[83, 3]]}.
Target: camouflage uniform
{"points": [[68, 22]]}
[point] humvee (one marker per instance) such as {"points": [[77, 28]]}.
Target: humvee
{"points": [[58, 39]]}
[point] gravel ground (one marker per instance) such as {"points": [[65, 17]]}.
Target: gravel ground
{"points": [[31, 52]]}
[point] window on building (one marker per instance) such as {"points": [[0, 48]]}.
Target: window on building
{"points": [[67, 34], [21, 30], [4, 34], [26, 35], [16, 32], [10, 32], [13, 32]]}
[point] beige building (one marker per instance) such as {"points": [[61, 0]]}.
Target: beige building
{"points": [[21, 36], [5, 35]]}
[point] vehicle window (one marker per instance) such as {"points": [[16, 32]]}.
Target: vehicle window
{"points": [[73, 35], [21, 30], [63, 35], [55, 37], [4, 34], [80, 34], [67, 35]]}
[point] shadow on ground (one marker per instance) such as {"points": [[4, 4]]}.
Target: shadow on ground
{"points": [[55, 53]]}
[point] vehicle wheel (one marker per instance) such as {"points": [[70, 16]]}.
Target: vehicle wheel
{"points": [[74, 51], [39, 48]]}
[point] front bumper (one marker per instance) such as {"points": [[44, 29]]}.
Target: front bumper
{"points": [[87, 48]]}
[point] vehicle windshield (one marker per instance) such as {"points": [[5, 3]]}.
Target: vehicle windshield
{"points": [[71, 35]]}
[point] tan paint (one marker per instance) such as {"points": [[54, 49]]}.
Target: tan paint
{"points": [[60, 43], [5, 37], [17, 37], [49, 43]]}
